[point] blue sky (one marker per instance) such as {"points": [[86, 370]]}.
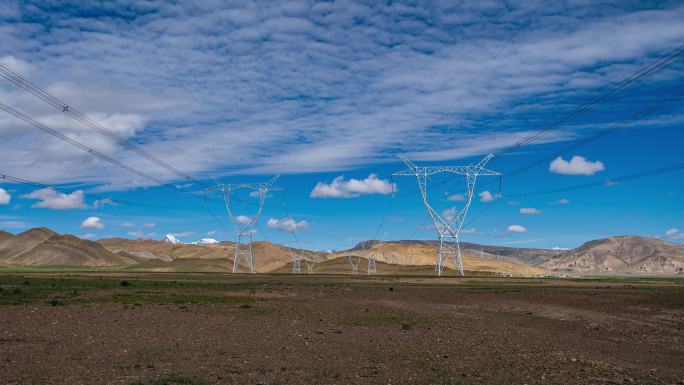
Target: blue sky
{"points": [[315, 91]]}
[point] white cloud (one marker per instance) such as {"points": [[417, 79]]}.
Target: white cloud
{"points": [[243, 219], [92, 223], [148, 225], [103, 202], [52, 199], [556, 248], [127, 224], [563, 201], [136, 234], [339, 188], [183, 234], [514, 203], [88, 236], [486, 196], [362, 91], [211, 232], [529, 211], [449, 214], [4, 197], [578, 165], [456, 198], [469, 231], [674, 234], [516, 229], [288, 225]]}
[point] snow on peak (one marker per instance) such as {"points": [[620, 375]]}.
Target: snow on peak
{"points": [[171, 239], [206, 241]]}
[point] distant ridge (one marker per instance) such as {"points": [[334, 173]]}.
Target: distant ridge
{"points": [[41, 247], [622, 255]]}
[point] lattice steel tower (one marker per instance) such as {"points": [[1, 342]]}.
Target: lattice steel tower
{"points": [[448, 232], [244, 225]]}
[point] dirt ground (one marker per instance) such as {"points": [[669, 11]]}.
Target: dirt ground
{"points": [[279, 329]]}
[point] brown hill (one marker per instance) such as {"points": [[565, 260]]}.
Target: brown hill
{"points": [[4, 235], [423, 253], [622, 255], [267, 256], [149, 249], [23, 242], [42, 247]]}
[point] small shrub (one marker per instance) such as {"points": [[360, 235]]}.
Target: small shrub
{"points": [[125, 283], [245, 306], [56, 302]]}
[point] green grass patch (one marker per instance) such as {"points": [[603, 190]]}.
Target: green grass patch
{"points": [[171, 298]]}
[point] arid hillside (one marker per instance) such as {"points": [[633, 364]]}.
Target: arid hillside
{"points": [[622, 255], [42, 248]]}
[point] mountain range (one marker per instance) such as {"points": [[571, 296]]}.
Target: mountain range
{"points": [[41, 247]]}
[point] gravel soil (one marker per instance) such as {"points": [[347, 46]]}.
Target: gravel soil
{"points": [[339, 330]]}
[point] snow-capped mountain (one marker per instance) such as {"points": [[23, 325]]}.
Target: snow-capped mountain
{"points": [[172, 240], [205, 241]]}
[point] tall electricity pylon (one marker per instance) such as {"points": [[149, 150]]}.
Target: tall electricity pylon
{"points": [[244, 225], [448, 231]]}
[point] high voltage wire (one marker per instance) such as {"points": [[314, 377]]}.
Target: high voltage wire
{"points": [[63, 107], [88, 195], [600, 134], [605, 182], [89, 150], [623, 85]]}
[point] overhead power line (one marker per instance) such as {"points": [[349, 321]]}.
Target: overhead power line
{"points": [[605, 182], [88, 195], [625, 84], [53, 101]]}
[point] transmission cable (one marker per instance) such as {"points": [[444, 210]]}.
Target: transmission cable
{"points": [[63, 107], [88, 195]]}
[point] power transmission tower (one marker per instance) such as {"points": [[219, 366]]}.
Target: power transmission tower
{"points": [[448, 231], [297, 263], [355, 264], [311, 262], [244, 225], [372, 269]]}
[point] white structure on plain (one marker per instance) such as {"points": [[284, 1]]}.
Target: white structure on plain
{"points": [[311, 262], [297, 262], [448, 231], [355, 263], [245, 226]]}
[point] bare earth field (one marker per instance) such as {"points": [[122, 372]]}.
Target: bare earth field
{"points": [[141, 328]]}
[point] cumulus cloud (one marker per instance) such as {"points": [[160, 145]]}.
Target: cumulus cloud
{"points": [[486, 196], [516, 229], [288, 225], [449, 215], [103, 202], [529, 211], [337, 85], [563, 201], [339, 188], [242, 219], [674, 234], [578, 165], [52, 199], [4, 197], [92, 223], [88, 236], [456, 198]]}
